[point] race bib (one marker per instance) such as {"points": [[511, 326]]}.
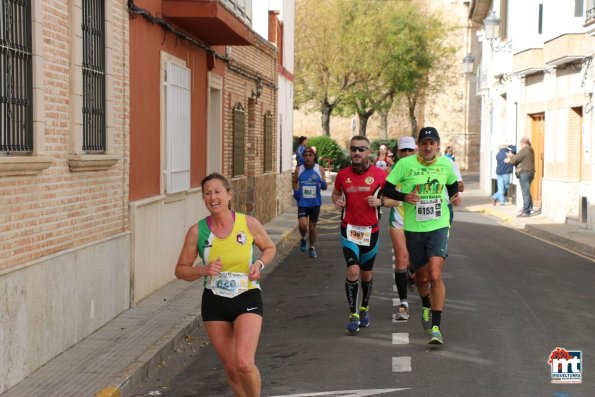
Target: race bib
{"points": [[428, 209], [229, 284], [361, 235], [309, 192]]}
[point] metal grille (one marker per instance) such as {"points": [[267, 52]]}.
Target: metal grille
{"points": [[16, 82], [268, 142], [93, 76], [238, 140]]}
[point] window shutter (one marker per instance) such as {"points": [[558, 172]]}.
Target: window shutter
{"points": [[238, 140], [268, 142], [177, 150]]}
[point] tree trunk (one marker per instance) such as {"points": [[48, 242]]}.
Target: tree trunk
{"points": [[383, 124], [412, 102], [326, 108], [363, 121]]}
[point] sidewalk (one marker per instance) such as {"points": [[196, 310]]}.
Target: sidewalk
{"points": [[109, 362], [571, 237], [118, 356]]}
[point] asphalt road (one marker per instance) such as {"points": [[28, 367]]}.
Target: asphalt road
{"points": [[511, 300]]}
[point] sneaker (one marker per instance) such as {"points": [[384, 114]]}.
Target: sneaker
{"points": [[402, 313], [364, 317], [303, 245], [313, 253], [353, 324], [426, 318], [435, 336]]}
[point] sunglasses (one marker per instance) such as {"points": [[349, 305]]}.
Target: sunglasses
{"points": [[406, 150], [358, 148]]}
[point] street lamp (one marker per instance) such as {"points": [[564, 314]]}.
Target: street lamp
{"points": [[491, 26], [468, 65]]}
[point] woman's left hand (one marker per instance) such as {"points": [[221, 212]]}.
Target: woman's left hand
{"points": [[254, 271]]}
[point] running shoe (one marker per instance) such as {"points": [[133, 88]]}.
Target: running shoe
{"points": [[353, 324], [313, 253], [435, 336], [364, 317], [402, 313], [303, 245], [426, 318]]}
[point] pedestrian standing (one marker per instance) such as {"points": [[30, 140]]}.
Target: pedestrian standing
{"points": [[524, 162], [299, 152], [503, 172], [232, 305]]}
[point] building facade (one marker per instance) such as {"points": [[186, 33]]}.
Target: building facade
{"points": [[64, 152], [204, 98], [537, 82]]}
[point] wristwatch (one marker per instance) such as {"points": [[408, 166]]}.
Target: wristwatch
{"points": [[382, 202]]}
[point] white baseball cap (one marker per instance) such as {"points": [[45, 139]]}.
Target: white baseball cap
{"points": [[407, 142]]}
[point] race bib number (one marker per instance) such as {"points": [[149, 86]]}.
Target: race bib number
{"points": [[428, 209], [309, 192], [229, 284], [361, 235]]}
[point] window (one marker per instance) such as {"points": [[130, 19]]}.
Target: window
{"points": [[93, 37], [540, 21], [238, 140], [578, 8], [268, 142], [177, 128], [16, 84]]}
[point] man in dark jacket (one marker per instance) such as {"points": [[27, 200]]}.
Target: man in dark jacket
{"points": [[503, 172], [524, 161]]}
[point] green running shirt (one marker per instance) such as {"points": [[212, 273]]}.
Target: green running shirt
{"points": [[430, 182]]}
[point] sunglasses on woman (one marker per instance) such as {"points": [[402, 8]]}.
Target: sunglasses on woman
{"points": [[359, 148]]}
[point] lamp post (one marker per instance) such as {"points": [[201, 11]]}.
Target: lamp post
{"points": [[491, 27], [468, 65]]}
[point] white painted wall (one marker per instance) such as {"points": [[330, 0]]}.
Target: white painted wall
{"points": [[52, 303]]}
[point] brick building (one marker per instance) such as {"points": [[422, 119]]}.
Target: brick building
{"points": [[64, 150]]}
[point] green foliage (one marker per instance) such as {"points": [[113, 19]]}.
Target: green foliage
{"points": [[328, 148]]}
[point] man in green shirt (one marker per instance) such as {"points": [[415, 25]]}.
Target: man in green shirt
{"points": [[426, 223]]}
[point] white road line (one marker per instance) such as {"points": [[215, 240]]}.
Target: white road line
{"points": [[400, 338], [401, 364]]}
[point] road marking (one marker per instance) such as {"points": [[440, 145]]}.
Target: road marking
{"points": [[401, 364], [400, 338], [345, 393]]}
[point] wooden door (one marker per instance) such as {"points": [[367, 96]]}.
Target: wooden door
{"points": [[537, 140]]}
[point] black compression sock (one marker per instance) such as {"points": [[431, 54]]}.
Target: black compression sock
{"points": [[425, 301], [401, 282], [352, 290], [367, 292], [436, 317]]}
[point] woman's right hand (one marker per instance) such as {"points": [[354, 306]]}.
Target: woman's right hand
{"points": [[213, 268]]}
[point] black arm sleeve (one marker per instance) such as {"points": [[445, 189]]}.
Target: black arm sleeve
{"points": [[452, 189], [391, 192]]}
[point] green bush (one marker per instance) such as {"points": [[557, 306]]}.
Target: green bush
{"points": [[328, 148]]}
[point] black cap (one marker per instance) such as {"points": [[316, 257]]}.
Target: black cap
{"points": [[428, 132]]}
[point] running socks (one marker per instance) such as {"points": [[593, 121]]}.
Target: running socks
{"points": [[367, 291], [436, 317], [425, 301], [352, 290], [401, 280]]}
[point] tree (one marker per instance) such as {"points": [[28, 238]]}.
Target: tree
{"points": [[322, 72]]}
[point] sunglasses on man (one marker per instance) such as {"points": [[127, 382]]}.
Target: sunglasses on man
{"points": [[358, 148], [406, 150]]}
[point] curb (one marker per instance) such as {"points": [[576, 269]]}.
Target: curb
{"points": [[572, 245], [283, 231]]}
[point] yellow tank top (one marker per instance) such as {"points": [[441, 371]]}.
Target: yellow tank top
{"points": [[236, 250]]}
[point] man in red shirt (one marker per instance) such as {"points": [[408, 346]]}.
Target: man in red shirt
{"points": [[357, 195]]}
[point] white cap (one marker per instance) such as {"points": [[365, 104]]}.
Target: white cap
{"points": [[407, 142]]}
